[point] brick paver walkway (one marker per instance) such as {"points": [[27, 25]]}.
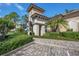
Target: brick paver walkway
{"points": [[47, 47]]}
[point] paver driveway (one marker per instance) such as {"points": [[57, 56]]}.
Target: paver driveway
{"points": [[46, 47]]}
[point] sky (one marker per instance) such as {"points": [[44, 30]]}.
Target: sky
{"points": [[51, 9]]}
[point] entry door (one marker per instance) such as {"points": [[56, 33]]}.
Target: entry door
{"points": [[39, 30]]}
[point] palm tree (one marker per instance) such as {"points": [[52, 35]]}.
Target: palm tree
{"points": [[12, 16], [25, 20], [5, 26], [55, 23]]}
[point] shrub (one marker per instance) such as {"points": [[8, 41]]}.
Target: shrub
{"points": [[5, 26], [51, 35], [71, 35], [13, 43], [69, 29], [62, 35], [20, 29]]}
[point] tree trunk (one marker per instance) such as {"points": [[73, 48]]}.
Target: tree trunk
{"points": [[55, 29], [3, 32]]}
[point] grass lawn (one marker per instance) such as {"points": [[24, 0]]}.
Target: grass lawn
{"points": [[13, 41]]}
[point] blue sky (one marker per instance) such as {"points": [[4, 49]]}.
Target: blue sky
{"points": [[51, 9]]}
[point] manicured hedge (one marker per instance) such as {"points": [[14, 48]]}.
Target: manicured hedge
{"points": [[62, 35], [51, 35], [13, 43], [71, 35]]}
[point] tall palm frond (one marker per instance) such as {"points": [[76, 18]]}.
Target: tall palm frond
{"points": [[55, 23]]}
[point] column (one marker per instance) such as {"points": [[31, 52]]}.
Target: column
{"points": [[42, 30], [36, 30]]}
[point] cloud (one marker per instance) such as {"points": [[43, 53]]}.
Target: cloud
{"points": [[18, 6], [8, 4], [0, 16]]}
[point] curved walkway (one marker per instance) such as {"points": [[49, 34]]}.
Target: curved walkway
{"points": [[47, 47]]}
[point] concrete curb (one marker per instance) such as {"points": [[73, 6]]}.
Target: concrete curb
{"points": [[13, 51]]}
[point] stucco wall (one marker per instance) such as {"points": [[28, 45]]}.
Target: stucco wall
{"points": [[42, 30], [73, 23], [37, 20], [31, 13], [62, 28], [36, 29]]}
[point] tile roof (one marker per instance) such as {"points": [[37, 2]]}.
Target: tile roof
{"points": [[34, 6]]}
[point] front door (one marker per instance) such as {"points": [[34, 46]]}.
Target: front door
{"points": [[39, 30]]}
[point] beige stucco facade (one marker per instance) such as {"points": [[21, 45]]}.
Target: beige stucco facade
{"points": [[73, 23], [39, 27], [37, 21], [62, 28], [72, 19]]}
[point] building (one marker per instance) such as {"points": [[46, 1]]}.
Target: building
{"points": [[72, 18], [37, 21]]}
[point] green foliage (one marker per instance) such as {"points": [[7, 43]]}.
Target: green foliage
{"points": [[70, 30], [20, 29], [62, 35], [55, 23], [9, 24], [5, 26], [70, 35], [14, 42], [51, 35], [12, 15]]}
